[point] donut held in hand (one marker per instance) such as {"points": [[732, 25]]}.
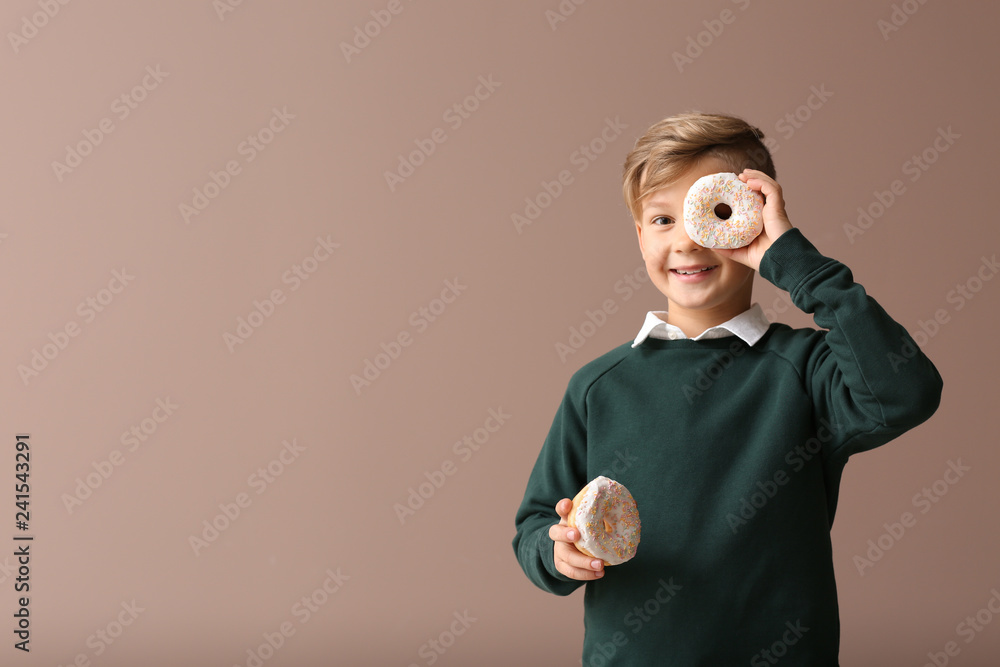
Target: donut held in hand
{"points": [[702, 220], [607, 518]]}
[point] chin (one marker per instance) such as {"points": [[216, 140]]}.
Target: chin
{"points": [[694, 304]]}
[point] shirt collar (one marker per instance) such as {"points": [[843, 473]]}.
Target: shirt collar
{"points": [[750, 326]]}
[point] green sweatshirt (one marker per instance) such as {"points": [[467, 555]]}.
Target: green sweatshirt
{"points": [[734, 456]]}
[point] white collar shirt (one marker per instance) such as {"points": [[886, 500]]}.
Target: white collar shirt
{"points": [[750, 326]]}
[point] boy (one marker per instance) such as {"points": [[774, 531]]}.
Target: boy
{"points": [[730, 432]]}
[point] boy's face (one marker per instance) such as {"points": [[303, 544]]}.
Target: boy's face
{"points": [[698, 282]]}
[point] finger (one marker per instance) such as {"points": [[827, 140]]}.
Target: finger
{"points": [[562, 533], [576, 564], [758, 180], [747, 174], [741, 255], [775, 215], [564, 507], [767, 187], [728, 253], [579, 561], [576, 558], [578, 573]]}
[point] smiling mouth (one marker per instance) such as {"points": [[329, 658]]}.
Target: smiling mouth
{"points": [[691, 272]]}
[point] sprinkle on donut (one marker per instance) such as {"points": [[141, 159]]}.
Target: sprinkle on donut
{"points": [[608, 520], [706, 228]]}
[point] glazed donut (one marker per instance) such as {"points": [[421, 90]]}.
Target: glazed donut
{"points": [[608, 520], [706, 228]]}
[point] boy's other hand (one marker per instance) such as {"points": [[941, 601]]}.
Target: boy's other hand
{"points": [[570, 561], [775, 220]]}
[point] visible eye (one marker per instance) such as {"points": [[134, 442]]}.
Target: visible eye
{"points": [[662, 221]]}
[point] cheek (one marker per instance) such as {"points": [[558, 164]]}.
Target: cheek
{"points": [[655, 250], [649, 259], [739, 274], [741, 271]]}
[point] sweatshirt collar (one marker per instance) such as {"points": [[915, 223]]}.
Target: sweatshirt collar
{"points": [[750, 326]]}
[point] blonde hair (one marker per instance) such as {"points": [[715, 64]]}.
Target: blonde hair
{"points": [[671, 146]]}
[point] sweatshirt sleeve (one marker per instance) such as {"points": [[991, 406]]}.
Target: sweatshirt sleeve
{"points": [[866, 375], [559, 472]]}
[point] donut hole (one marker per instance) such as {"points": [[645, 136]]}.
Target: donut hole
{"points": [[723, 211]]}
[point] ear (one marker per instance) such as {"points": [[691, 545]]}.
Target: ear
{"points": [[638, 231]]}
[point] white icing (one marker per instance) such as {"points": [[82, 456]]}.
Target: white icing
{"points": [[709, 230], [593, 536]]}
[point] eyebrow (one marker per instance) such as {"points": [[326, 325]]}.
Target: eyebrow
{"points": [[657, 199], [658, 205]]}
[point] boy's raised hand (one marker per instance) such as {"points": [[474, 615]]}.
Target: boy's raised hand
{"points": [[569, 560], [775, 220]]}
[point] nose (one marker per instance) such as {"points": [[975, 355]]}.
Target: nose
{"points": [[682, 242]]}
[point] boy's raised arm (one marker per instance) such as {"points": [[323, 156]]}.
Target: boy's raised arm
{"points": [[866, 375]]}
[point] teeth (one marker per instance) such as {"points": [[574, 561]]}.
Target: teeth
{"points": [[690, 273]]}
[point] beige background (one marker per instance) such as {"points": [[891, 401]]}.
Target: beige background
{"points": [[494, 347]]}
